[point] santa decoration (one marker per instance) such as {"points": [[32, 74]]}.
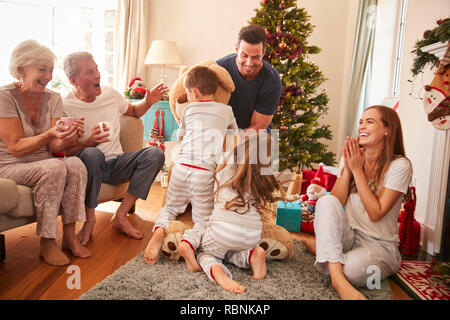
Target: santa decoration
{"points": [[437, 100], [136, 89], [315, 190]]}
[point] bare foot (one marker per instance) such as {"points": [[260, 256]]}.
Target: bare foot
{"points": [[258, 263], [185, 250], [75, 247], [85, 233], [51, 253], [154, 246], [122, 225], [225, 282], [310, 245], [348, 292]]}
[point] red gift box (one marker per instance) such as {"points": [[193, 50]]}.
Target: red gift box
{"points": [[308, 175]]}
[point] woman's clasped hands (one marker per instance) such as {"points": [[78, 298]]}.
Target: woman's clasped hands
{"points": [[353, 155]]}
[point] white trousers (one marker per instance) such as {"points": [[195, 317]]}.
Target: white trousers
{"points": [[188, 185], [227, 241], [359, 253]]}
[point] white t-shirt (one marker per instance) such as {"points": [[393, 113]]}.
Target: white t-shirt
{"points": [[203, 126], [397, 178], [108, 106]]}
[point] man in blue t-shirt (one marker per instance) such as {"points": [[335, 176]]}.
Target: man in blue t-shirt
{"points": [[258, 84]]}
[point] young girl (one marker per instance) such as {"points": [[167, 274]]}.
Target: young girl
{"points": [[352, 245], [244, 183]]}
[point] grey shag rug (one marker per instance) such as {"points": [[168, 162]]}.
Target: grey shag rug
{"points": [[295, 278]]}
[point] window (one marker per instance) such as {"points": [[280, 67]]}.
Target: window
{"points": [[65, 26], [390, 25]]}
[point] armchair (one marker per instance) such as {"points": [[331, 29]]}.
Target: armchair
{"points": [[16, 201]]}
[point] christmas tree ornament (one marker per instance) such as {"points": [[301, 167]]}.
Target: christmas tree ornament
{"points": [[287, 50]]}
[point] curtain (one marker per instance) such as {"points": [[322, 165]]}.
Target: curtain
{"points": [[130, 41], [361, 65]]}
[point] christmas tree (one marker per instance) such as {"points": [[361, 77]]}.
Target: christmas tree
{"points": [[301, 105]]}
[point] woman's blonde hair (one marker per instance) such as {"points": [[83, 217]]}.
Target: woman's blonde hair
{"points": [[29, 52], [253, 180], [393, 147]]}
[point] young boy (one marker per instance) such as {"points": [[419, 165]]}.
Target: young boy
{"points": [[203, 125]]}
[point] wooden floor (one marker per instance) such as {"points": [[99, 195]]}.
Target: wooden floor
{"points": [[23, 275]]}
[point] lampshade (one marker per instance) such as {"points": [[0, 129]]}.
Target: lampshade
{"points": [[163, 52]]}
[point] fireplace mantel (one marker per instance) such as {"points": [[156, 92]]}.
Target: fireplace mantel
{"points": [[432, 235]]}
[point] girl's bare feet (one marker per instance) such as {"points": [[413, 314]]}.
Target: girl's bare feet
{"points": [[258, 263], [154, 246], [51, 253], [185, 250], [224, 281]]}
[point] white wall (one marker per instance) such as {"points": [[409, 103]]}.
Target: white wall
{"points": [[417, 131], [205, 29]]}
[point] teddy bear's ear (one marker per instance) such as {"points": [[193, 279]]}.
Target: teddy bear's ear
{"points": [[224, 77], [183, 69]]}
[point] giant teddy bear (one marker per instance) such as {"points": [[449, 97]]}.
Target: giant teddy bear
{"points": [[276, 240]]}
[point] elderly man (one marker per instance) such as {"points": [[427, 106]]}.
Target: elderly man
{"points": [[258, 84], [101, 152]]}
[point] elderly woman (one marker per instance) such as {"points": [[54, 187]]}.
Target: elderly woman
{"points": [[28, 135]]}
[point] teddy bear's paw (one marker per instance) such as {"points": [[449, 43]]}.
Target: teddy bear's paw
{"points": [[275, 250], [169, 247]]}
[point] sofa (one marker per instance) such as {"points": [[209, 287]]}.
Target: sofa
{"points": [[16, 201]]}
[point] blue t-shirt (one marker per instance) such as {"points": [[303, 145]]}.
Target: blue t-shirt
{"points": [[261, 94]]}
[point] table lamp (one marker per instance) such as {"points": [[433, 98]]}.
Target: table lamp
{"points": [[165, 53]]}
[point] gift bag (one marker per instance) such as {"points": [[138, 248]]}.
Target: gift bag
{"points": [[295, 184]]}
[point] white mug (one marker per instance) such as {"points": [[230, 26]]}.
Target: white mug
{"points": [[109, 125]]}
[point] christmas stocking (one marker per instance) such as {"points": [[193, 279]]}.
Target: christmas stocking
{"points": [[154, 132], [160, 137]]}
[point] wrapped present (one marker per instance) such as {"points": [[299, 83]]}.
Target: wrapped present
{"points": [[289, 215], [308, 175]]}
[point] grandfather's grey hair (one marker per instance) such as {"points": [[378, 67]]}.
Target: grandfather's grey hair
{"points": [[71, 62]]}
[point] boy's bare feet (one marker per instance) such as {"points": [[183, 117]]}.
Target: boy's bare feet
{"points": [[122, 225], [224, 281], [154, 246], [51, 253], [185, 250], [258, 263], [75, 247]]}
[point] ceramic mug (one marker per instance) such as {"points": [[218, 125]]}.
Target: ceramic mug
{"points": [[107, 124], [66, 121]]}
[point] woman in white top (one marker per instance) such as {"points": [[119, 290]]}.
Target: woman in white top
{"points": [[358, 245]]}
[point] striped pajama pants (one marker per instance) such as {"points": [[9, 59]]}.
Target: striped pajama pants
{"points": [[227, 241], [188, 185]]}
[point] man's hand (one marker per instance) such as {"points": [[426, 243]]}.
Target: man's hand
{"points": [[97, 136], [156, 94]]}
